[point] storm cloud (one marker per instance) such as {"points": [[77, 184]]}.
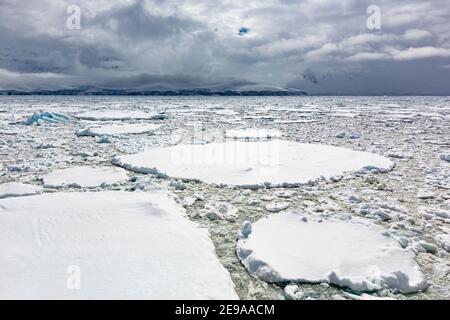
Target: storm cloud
{"points": [[320, 46]]}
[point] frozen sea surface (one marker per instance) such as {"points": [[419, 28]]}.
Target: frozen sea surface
{"points": [[410, 202]]}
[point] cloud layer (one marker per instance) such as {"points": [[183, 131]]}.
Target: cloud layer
{"points": [[321, 46]]}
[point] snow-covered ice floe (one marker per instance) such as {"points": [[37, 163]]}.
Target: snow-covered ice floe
{"points": [[252, 134], [107, 115], [123, 245], [17, 189], [353, 254], [253, 164], [118, 129], [84, 177]]}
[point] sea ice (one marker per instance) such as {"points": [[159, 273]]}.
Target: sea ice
{"points": [[118, 129], [17, 189], [253, 164], [106, 245], [283, 247], [84, 177]]}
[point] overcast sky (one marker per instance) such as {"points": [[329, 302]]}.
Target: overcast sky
{"points": [[321, 46]]}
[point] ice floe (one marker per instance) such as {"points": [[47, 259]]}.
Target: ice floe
{"points": [[84, 177], [283, 247], [120, 245], [252, 164], [17, 189], [105, 115], [118, 129]]}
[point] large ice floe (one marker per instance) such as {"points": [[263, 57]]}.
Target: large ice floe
{"points": [[17, 189], [84, 177], [108, 115], [106, 245], [252, 164], [118, 129], [353, 254]]}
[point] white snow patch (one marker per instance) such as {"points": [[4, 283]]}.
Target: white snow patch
{"points": [[126, 245], [88, 177], [251, 164], [17, 189], [282, 247]]}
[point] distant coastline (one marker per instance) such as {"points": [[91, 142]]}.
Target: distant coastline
{"points": [[128, 92]]}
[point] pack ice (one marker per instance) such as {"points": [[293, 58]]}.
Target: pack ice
{"points": [[285, 247], [277, 162], [106, 245], [88, 177]]}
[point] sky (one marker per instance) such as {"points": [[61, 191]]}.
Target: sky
{"points": [[319, 46]]}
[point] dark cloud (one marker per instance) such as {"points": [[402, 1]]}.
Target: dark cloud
{"points": [[318, 46]]}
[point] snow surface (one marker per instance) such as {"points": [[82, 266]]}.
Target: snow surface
{"points": [[118, 129], [283, 247], [88, 177], [125, 245], [17, 189], [105, 115], [252, 163]]}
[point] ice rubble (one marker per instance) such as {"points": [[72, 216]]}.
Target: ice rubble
{"points": [[17, 189], [125, 245], [117, 129], [283, 247], [106, 115], [84, 177], [252, 164], [251, 134], [46, 116]]}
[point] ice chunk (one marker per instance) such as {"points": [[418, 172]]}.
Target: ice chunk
{"points": [[220, 210], [446, 157], [88, 177], [118, 129], [48, 117], [251, 164], [351, 254], [444, 241], [277, 206], [123, 245], [17, 189]]}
